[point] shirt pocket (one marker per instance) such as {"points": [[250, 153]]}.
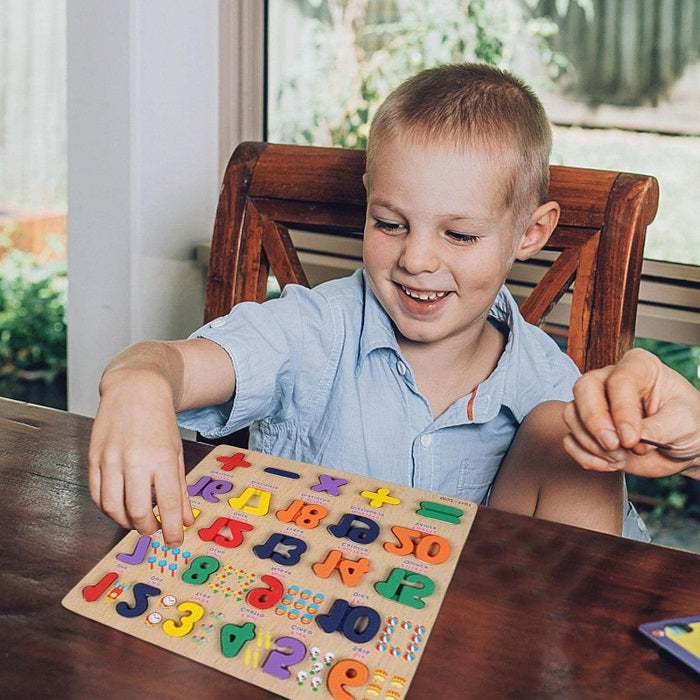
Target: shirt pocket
{"points": [[475, 477]]}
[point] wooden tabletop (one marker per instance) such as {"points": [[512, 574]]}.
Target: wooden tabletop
{"points": [[535, 609]]}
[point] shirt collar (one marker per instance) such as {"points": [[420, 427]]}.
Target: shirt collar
{"points": [[516, 378], [377, 330], [505, 386]]}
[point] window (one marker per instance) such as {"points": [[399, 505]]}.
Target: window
{"points": [[619, 100]]}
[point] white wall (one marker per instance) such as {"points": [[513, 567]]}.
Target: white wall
{"points": [[143, 172]]}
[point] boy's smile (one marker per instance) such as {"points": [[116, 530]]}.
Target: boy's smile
{"points": [[438, 240]]}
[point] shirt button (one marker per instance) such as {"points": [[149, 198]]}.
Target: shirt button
{"points": [[217, 323], [426, 440], [401, 368]]}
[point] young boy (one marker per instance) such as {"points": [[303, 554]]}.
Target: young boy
{"points": [[417, 369]]}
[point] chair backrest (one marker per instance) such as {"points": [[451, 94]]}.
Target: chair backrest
{"points": [[269, 189]]}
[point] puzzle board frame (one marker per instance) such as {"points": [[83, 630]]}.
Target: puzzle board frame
{"points": [[301, 579]]}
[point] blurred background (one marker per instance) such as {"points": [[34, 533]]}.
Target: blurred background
{"points": [[619, 78]]}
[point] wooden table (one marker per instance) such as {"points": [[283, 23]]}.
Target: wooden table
{"points": [[535, 610]]}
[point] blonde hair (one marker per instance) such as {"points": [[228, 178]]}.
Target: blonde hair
{"points": [[474, 105]]}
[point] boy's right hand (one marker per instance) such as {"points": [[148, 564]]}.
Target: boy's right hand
{"points": [[136, 448], [136, 452]]}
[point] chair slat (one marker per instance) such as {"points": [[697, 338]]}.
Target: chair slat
{"points": [[269, 189]]}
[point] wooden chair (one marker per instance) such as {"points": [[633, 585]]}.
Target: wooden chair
{"points": [[269, 189]]}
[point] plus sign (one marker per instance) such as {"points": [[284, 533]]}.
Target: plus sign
{"points": [[380, 497], [231, 462]]}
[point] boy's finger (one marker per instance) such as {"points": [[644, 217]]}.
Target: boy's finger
{"points": [[139, 506], [170, 509], [111, 498]]}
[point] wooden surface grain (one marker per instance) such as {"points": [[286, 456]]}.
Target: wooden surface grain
{"points": [[535, 609]]}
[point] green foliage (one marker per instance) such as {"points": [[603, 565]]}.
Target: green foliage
{"points": [[32, 320], [676, 492], [685, 359], [363, 59], [664, 494]]}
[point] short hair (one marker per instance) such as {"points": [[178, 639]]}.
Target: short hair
{"points": [[474, 105]]}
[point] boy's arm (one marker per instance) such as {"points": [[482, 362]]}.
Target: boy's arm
{"points": [[538, 478], [135, 444]]}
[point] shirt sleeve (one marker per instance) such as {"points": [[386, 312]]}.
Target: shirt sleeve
{"points": [[278, 350]]}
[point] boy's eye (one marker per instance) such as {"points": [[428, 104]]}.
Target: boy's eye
{"points": [[387, 226], [462, 237]]}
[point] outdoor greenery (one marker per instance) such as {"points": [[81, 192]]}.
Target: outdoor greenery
{"points": [[369, 56], [32, 325]]}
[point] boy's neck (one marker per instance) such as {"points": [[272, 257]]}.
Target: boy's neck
{"points": [[445, 372]]}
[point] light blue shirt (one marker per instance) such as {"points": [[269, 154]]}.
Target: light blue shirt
{"points": [[320, 378]]}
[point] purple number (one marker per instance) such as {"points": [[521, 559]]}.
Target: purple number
{"points": [[139, 553], [278, 662], [209, 488]]}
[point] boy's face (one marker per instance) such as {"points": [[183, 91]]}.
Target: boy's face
{"points": [[438, 240]]}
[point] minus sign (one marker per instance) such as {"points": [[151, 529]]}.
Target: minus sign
{"points": [[282, 472]]}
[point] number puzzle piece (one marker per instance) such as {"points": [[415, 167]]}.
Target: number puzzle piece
{"points": [[406, 587], [264, 598], [241, 502], [225, 532], [142, 592], [278, 661], [431, 549], [282, 549], [306, 515], [358, 623], [182, 627], [363, 533], [200, 570], [209, 488], [139, 552], [346, 672], [234, 637], [92, 593], [351, 572]]}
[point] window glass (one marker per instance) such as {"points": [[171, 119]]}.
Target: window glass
{"points": [[620, 100]]}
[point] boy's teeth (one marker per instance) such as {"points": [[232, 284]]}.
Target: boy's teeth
{"points": [[423, 296]]}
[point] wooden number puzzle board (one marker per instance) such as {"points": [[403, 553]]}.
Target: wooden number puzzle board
{"points": [[301, 579]]}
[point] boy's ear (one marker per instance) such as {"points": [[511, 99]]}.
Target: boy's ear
{"points": [[364, 181], [542, 222]]}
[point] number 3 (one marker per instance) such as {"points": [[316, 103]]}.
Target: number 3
{"points": [[193, 613]]}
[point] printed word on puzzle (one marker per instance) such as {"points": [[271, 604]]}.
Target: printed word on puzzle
{"points": [[301, 579]]}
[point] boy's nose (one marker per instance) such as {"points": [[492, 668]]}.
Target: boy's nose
{"points": [[419, 254]]}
